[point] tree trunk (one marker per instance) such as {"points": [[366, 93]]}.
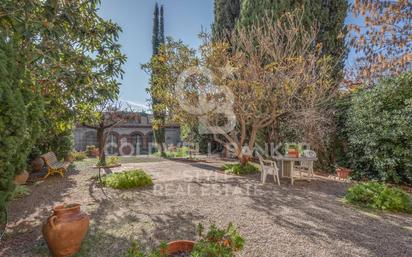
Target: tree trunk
{"points": [[101, 144], [244, 159]]}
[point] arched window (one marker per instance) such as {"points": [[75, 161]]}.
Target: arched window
{"points": [[111, 144], [90, 138], [137, 142]]}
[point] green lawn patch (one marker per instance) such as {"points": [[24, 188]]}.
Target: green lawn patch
{"points": [[238, 169], [128, 179], [375, 195]]}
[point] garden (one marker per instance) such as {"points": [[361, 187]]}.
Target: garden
{"points": [[286, 132]]}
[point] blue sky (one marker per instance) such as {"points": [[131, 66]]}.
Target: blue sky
{"points": [[183, 20]]}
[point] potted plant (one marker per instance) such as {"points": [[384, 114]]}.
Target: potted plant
{"points": [[293, 150], [37, 163], [215, 243], [21, 178], [65, 230], [92, 151], [343, 173]]}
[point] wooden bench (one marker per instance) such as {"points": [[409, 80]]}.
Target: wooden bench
{"points": [[53, 165]]}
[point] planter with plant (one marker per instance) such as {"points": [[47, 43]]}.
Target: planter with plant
{"points": [[65, 230], [21, 178], [292, 150], [92, 151], [343, 173], [215, 243]]}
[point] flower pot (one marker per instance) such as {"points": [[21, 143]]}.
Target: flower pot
{"points": [[65, 230], [95, 152], [37, 164], [179, 246], [21, 178], [343, 173], [293, 153]]}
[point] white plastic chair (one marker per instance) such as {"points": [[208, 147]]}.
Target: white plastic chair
{"points": [[306, 166], [272, 169]]}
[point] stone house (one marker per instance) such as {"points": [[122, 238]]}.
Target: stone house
{"points": [[129, 138]]}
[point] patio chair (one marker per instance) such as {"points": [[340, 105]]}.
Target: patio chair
{"points": [[270, 169], [306, 166]]}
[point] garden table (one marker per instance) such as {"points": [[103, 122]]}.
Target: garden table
{"points": [[288, 164]]}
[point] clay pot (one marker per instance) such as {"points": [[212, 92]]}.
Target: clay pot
{"points": [[21, 178], [95, 152], [65, 230], [179, 246], [37, 164], [343, 173], [293, 153]]}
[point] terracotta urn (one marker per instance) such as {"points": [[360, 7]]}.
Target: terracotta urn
{"points": [[21, 178], [179, 246], [65, 230], [37, 164]]}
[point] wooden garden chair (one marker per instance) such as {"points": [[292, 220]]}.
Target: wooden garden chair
{"points": [[53, 165]]}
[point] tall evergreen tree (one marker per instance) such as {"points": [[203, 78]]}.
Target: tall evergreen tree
{"points": [[329, 16], [227, 13], [155, 36], [161, 27], [158, 38]]}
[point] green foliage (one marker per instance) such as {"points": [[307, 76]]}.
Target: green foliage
{"points": [[19, 120], [181, 152], [379, 130], [218, 242], [227, 13], [329, 17], [78, 156], [379, 196], [110, 161], [61, 143], [127, 179], [136, 251], [90, 149], [20, 191], [239, 169]]}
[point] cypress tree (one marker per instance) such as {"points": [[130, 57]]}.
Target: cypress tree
{"points": [[227, 13], [158, 38], [162, 27], [155, 36], [328, 15]]}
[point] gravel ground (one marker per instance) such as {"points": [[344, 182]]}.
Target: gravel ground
{"points": [[308, 219]]}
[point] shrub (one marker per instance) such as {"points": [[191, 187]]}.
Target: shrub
{"points": [[20, 115], [181, 152], [90, 150], [239, 169], [218, 242], [379, 129], [127, 179], [379, 196], [78, 156], [20, 191], [110, 161]]}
